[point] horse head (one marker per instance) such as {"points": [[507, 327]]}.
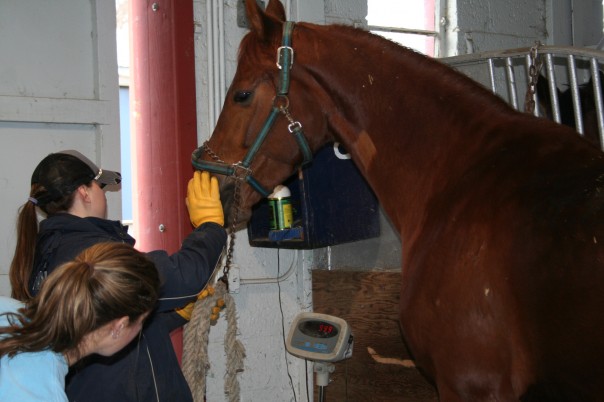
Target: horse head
{"points": [[566, 107], [258, 139]]}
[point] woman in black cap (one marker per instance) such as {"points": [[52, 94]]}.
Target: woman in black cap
{"points": [[68, 188]]}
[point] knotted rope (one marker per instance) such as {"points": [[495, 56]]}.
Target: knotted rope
{"points": [[195, 362]]}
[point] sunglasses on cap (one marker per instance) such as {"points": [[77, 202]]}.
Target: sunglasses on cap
{"points": [[103, 176]]}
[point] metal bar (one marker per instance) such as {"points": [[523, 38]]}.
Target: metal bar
{"points": [[597, 86], [492, 75], [402, 30], [553, 88], [511, 82], [521, 52], [574, 90], [576, 60]]}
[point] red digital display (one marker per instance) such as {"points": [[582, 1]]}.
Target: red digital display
{"points": [[325, 328], [318, 329]]}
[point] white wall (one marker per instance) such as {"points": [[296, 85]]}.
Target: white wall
{"points": [[473, 26], [58, 90]]}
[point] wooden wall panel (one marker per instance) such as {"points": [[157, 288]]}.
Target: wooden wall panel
{"points": [[368, 301]]}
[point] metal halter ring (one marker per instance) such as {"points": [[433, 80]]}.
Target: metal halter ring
{"points": [[281, 99], [241, 172]]}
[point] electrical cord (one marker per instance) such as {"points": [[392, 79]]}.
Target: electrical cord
{"points": [[291, 381], [306, 373], [277, 279]]}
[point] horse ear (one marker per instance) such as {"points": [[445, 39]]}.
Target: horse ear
{"points": [[275, 8], [264, 24]]}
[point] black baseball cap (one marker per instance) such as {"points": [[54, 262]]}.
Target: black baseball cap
{"points": [[102, 176], [62, 172]]}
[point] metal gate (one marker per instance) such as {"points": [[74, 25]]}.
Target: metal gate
{"points": [[507, 74]]}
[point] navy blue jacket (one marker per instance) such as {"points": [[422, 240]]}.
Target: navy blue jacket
{"points": [[147, 369]]}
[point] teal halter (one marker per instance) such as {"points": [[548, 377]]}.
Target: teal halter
{"points": [[241, 170]]}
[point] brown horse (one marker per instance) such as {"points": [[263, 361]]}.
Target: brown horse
{"points": [[500, 213]]}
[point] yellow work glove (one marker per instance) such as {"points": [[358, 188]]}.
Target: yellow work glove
{"points": [[203, 200], [186, 311]]}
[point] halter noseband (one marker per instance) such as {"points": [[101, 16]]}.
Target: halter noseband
{"points": [[241, 170]]}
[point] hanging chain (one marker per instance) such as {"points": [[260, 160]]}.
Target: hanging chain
{"points": [[534, 70], [234, 218], [235, 207], [212, 154]]}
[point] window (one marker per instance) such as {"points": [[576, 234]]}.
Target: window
{"points": [[123, 61], [410, 23]]}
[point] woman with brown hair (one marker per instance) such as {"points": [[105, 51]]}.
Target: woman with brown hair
{"points": [[95, 304]]}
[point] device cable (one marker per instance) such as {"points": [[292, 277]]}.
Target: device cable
{"points": [[291, 381]]}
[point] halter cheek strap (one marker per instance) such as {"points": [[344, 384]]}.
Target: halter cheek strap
{"points": [[241, 170]]}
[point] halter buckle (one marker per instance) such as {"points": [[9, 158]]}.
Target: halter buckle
{"points": [[294, 126], [281, 55]]}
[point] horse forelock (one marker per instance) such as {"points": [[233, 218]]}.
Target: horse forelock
{"points": [[256, 50]]}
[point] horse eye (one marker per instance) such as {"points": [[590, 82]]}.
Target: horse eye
{"points": [[242, 96]]}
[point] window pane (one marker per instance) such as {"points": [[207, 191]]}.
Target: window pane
{"points": [[412, 14], [407, 14]]}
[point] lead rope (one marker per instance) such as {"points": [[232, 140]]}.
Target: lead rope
{"points": [[534, 69], [195, 361]]}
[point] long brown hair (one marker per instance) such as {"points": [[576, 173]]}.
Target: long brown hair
{"points": [[53, 183], [105, 282]]}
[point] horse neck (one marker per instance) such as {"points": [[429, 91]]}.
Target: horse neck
{"points": [[406, 119]]}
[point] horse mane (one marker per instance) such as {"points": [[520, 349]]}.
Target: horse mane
{"points": [[256, 50]]}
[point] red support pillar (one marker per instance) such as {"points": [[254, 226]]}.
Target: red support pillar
{"points": [[163, 121]]}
